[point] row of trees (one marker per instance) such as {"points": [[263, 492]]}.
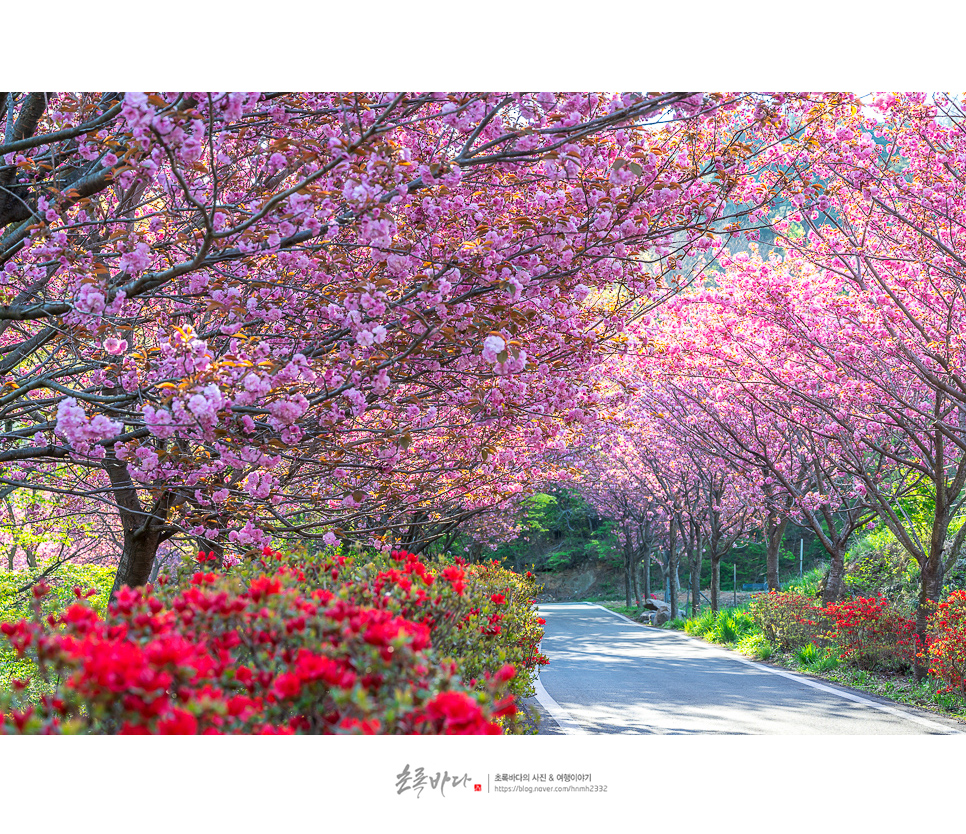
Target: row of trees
{"points": [[825, 382], [345, 317]]}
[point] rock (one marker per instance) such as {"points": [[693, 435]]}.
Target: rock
{"points": [[654, 618], [656, 612], [657, 605]]}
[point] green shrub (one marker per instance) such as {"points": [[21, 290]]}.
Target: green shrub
{"points": [[727, 626], [731, 625], [808, 584], [755, 644], [788, 620], [815, 659], [827, 662], [16, 604], [723, 630], [699, 626], [807, 654], [879, 566]]}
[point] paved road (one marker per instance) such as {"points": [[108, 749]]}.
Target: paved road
{"points": [[609, 675]]}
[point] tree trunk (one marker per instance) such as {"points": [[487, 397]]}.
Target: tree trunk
{"points": [[695, 566], [137, 558], [774, 531], [672, 564], [647, 574], [695, 580], [627, 582], [644, 587], [835, 580], [12, 553], [143, 529], [476, 553], [636, 587], [627, 566], [715, 580], [931, 568], [930, 589]]}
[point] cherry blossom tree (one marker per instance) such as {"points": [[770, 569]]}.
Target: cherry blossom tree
{"points": [[722, 404], [613, 483], [642, 468], [879, 211], [325, 315], [890, 429]]}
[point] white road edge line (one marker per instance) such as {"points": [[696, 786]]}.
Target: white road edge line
{"points": [[806, 681], [557, 712]]}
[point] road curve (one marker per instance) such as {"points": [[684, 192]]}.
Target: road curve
{"points": [[609, 675]]}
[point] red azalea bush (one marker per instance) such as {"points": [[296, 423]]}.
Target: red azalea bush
{"points": [[480, 616], [872, 634], [504, 624], [271, 647], [788, 620], [947, 645]]}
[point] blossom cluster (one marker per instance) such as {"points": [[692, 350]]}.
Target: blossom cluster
{"points": [[82, 432]]}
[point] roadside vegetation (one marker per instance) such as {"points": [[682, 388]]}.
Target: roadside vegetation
{"points": [[294, 642], [865, 643]]}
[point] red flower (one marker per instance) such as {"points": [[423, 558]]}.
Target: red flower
{"points": [[20, 719], [84, 594], [264, 586], [369, 727], [455, 576], [241, 706], [311, 667], [505, 673], [456, 713], [287, 686], [505, 708], [181, 723]]}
